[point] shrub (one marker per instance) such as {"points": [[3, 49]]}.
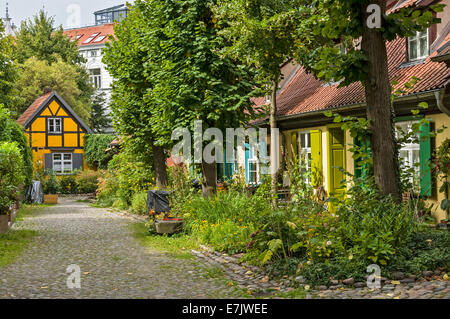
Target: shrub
{"points": [[50, 183], [87, 181], [132, 176], [12, 174], [94, 147], [139, 203], [67, 184], [10, 131], [224, 221]]}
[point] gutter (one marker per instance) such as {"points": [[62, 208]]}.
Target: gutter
{"points": [[440, 100]]}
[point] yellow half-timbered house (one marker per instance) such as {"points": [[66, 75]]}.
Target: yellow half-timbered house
{"points": [[55, 133]]}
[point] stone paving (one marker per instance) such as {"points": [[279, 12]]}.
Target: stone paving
{"points": [[112, 262], [114, 265]]}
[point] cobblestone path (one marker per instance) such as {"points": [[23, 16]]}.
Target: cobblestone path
{"points": [[112, 262]]}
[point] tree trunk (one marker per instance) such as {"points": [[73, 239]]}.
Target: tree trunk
{"points": [[159, 163], [209, 181], [274, 142], [379, 108]]}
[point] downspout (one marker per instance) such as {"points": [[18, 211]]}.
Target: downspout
{"points": [[440, 101]]}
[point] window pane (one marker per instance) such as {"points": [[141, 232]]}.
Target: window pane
{"points": [[57, 166], [302, 140], [57, 157], [416, 158], [67, 157], [423, 47], [413, 49]]}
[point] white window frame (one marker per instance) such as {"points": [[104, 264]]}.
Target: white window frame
{"points": [[305, 150], [416, 38], [62, 162], [253, 159], [410, 148], [51, 122], [96, 79]]}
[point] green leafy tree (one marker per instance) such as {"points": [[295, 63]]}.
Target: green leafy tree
{"points": [[8, 68], [95, 146], [36, 76], [39, 40], [361, 56], [169, 52], [99, 119], [261, 36]]}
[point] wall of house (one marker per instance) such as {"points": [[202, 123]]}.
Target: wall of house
{"points": [[41, 142], [439, 121], [444, 16]]}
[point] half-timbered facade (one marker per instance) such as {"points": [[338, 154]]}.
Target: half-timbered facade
{"points": [[55, 133]]}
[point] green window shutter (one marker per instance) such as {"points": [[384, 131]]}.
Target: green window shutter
{"points": [[316, 157], [247, 155], [425, 157], [361, 170], [220, 171]]}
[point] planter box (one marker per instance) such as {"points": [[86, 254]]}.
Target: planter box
{"points": [[168, 226], [50, 199], [4, 224]]}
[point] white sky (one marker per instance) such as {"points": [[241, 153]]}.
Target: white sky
{"points": [[24, 9]]}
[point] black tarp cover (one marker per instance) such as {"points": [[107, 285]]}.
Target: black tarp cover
{"points": [[158, 201]]}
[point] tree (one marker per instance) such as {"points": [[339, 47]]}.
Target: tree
{"points": [[99, 119], [261, 36], [353, 25], [35, 76], [132, 116], [95, 146], [8, 68], [171, 52], [39, 39]]}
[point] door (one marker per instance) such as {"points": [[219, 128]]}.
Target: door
{"points": [[336, 161]]}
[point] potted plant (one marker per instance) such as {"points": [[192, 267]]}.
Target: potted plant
{"points": [[166, 223], [51, 188]]}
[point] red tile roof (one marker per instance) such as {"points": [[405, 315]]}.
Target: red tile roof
{"points": [[444, 48], [103, 32], [306, 94], [33, 108], [403, 4]]}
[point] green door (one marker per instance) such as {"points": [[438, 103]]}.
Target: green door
{"points": [[336, 161]]}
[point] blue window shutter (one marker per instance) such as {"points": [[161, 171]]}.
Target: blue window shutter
{"points": [[425, 157], [247, 155], [48, 161], [264, 169]]}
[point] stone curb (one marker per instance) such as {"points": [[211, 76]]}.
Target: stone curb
{"points": [[247, 276]]}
